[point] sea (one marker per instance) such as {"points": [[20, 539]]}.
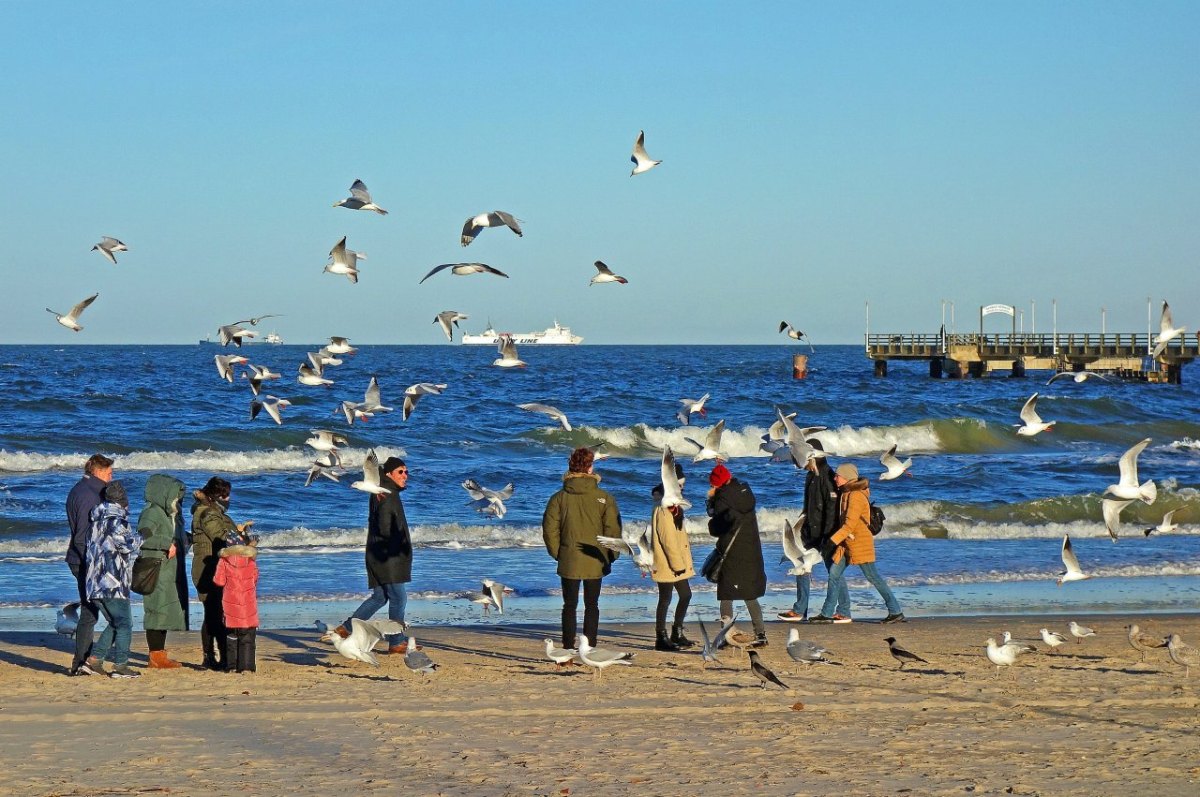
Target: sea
{"points": [[977, 527]]}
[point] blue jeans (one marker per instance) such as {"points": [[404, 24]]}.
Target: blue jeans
{"points": [[804, 589], [114, 641], [872, 575], [395, 596]]}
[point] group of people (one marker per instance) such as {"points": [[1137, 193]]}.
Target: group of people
{"points": [[108, 557]]}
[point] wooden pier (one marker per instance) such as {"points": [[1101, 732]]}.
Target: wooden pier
{"points": [[1122, 354]]}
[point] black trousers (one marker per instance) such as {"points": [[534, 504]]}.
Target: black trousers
{"points": [[85, 630], [239, 649], [591, 609], [664, 602], [212, 630]]}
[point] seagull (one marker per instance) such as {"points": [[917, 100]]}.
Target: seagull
{"points": [[416, 659], [328, 466], [605, 275], [446, 318], [364, 635], [353, 411], [413, 393], [344, 261], [67, 619], [259, 374], [370, 479], [711, 646], [372, 399], [1128, 487], [324, 440], [1005, 655], [485, 501], [272, 405], [795, 334], [493, 595], [1166, 526], [1142, 642], [359, 199], [639, 546], [225, 363], [321, 358], [1032, 422], [1168, 332], [1071, 562], [600, 658], [901, 655], [692, 406], [554, 412], [803, 559], [762, 673], [894, 466], [672, 486], [779, 429], [804, 651], [1185, 656], [641, 161], [797, 441], [339, 345], [71, 319], [560, 656], [508, 354], [1078, 376], [711, 449], [1052, 638], [233, 333], [310, 376], [1112, 508], [1079, 631], [463, 269], [497, 218], [109, 245]]}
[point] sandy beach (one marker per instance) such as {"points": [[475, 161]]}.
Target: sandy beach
{"points": [[498, 719]]}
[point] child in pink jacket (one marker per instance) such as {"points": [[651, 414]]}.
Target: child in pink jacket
{"points": [[237, 573]]}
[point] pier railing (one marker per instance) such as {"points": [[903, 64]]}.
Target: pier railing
{"points": [[1021, 344]]}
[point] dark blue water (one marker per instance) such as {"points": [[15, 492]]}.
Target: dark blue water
{"points": [[984, 507]]}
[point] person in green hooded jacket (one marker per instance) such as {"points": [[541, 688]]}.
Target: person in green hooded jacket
{"points": [[212, 530], [574, 517], [161, 526]]}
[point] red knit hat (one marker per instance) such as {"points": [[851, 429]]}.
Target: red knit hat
{"points": [[719, 476]]}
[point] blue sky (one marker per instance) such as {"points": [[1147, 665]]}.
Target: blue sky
{"points": [[816, 156]]}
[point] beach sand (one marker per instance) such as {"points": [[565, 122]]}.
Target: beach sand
{"points": [[498, 719]]}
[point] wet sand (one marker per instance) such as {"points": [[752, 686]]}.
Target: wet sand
{"points": [[498, 719]]}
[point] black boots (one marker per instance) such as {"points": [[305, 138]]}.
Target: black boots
{"points": [[679, 640], [663, 643]]}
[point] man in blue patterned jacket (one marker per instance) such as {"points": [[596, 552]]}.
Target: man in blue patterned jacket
{"points": [[112, 548]]}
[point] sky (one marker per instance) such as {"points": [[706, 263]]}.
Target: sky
{"points": [[816, 157]]}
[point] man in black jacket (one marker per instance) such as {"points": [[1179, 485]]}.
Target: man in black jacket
{"points": [[83, 498], [820, 521]]}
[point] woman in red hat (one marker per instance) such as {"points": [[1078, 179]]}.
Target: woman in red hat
{"points": [[732, 521]]}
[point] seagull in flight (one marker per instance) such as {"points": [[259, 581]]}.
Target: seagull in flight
{"points": [[641, 161], [339, 345], [257, 375], [803, 559], [109, 245], [1078, 376], [1166, 526], [309, 375], [447, 318], [508, 354], [493, 595], [672, 484], [225, 363], [370, 479], [1127, 487], [894, 466], [413, 393], [487, 501], [463, 269], [795, 334], [329, 466], [606, 275], [711, 448], [1032, 422], [497, 218], [364, 635], [359, 199], [554, 412], [1168, 332], [272, 405], [711, 646], [691, 406], [324, 440], [1071, 562], [344, 261], [1112, 509], [71, 320], [638, 545]]}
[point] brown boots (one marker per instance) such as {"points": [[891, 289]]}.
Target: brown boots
{"points": [[160, 661]]}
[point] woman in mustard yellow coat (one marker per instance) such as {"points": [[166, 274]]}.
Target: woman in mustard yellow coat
{"points": [[672, 569]]}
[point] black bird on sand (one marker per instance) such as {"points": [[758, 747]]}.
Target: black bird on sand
{"points": [[762, 673], [900, 654]]}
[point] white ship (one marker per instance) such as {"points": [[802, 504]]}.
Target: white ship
{"points": [[557, 335]]}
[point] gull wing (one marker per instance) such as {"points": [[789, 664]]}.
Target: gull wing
{"points": [[1060, 375], [469, 231], [497, 217], [672, 492], [1128, 464], [603, 269], [473, 489], [639, 147], [507, 349], [793, 549], [491, 270], [712, 440], [1029, 411], [1166, 324], [359, 191], [372, 398], [1112, 509], [719, 639], [79, 308], [617, 544], [436, 269], [410, 403], [1069, 560], [888, 459], [271, 405], [341, 255], [371, 468]]}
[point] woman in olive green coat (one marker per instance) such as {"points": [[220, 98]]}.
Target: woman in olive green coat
{"points": [[211, 527], [161, 526]]}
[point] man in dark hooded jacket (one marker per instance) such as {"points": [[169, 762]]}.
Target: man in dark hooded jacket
{"points": [[820, 521], [83, 498]]}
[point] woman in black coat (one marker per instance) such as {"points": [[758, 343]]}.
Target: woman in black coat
{"points": [[733, 522]]}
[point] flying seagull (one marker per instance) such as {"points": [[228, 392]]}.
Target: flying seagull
{"points": [[795, 334], [711, 448], [497, 218], [901, 655], [449, 320], [71, 319], [1168, 332], [344, 261], [493, 595], [225, 363], [672, 485], [109, 245], [641, 161], [894, 466], [1112, 508], [605, 275], [1128, 487], [763, 673], [324, 440], [803, 559], [1166, 526], [370, 479], [638, 545], [339, 345], [691, 406], [1071, 562], [359, 199], [463, 269], [1032, 422], [711, 646], [554, 412], [1078, 376], [508, 354], [272, 405], [487, 501], [413, 393], [259, 374], [364, 635]]}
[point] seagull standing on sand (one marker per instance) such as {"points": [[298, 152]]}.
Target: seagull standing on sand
{"points": [[1032, 422], [560, 656], [691, 406], [370, 481], [1079, 631], [894, 466], [763, 673], [508, 354], [1167, 331], [497, 218], [803, 651], [1052, 638], [464, 269], [413, 393], [605, 275], [901, 655], [416, 659], [554, 413], [599, 658], [1166, 526], [1142, 642], [1071, 562], [1185, 656], [272, 405], [1128, 488], [711, 448], [71, 320], [364, 635], [1005, 655], [344, 261], [359, 199], [641, 161], [109, 245], [449, 320]]}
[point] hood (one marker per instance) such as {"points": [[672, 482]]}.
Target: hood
{"points": [[163, 491], [739, 495], [248, 551], [108, 509], [857, 484], [580, 482]]}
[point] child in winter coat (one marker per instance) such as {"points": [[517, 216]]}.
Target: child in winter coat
{"points": [[237, 575], [112, 547]]}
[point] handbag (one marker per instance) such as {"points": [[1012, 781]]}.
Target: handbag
{"points": [[145, 574], [711, 569]]}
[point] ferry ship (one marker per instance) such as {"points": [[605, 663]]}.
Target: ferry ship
{"points": [[271, 338], [557, 335]]}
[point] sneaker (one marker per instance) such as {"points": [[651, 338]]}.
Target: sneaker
{"points": [[894, 618], [760, 641], [89, 667], [839, 618], [792, 616], [820, 618], [401, 649], [124, 671]]}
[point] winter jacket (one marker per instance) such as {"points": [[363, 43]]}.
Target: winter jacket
{"points": [[672, 551], [575, 516], [389, 547], [112, 548], [853, 535], [820, 509], [743, 574], [210, 528], [83, 498], [237, 576], [160, 525]]}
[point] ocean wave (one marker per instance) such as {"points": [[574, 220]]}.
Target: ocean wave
{"points": [[284, 459]]}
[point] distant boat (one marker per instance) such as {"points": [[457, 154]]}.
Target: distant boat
{"points": [[557, 335], [270, 338]]}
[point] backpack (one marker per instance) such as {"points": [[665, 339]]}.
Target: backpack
{"points": [[875, 524]]}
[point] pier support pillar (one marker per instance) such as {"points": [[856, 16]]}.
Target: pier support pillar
{"points": [[799, 366], [975, 369], [1174, 373], [881, 368], [1018, 369], [935, 368]]}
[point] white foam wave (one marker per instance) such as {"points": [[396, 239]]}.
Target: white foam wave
{"points": [[283, 459], [1186, 444]]}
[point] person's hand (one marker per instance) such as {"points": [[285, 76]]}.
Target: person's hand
{"points": [[243, 526], [171, 551], [678, 572]]}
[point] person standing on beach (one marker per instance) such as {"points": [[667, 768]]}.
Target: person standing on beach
{"points": [[211, 528], [856, 544], [389, 554], [237, 577], [83, 498], [575, 516], [732, 521], [672, 569], [820, 521], [161, 526], [112, 548]]}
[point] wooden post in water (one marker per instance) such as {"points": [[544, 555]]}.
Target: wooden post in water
{"points": [[799, 366]]}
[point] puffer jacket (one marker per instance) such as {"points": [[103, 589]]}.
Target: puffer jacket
{"points": [[672, 551], [575, 516], [161, 525], [112, 548], [389, 553], [853, 535], [743, 574], [211, 526], [237, 575]]}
